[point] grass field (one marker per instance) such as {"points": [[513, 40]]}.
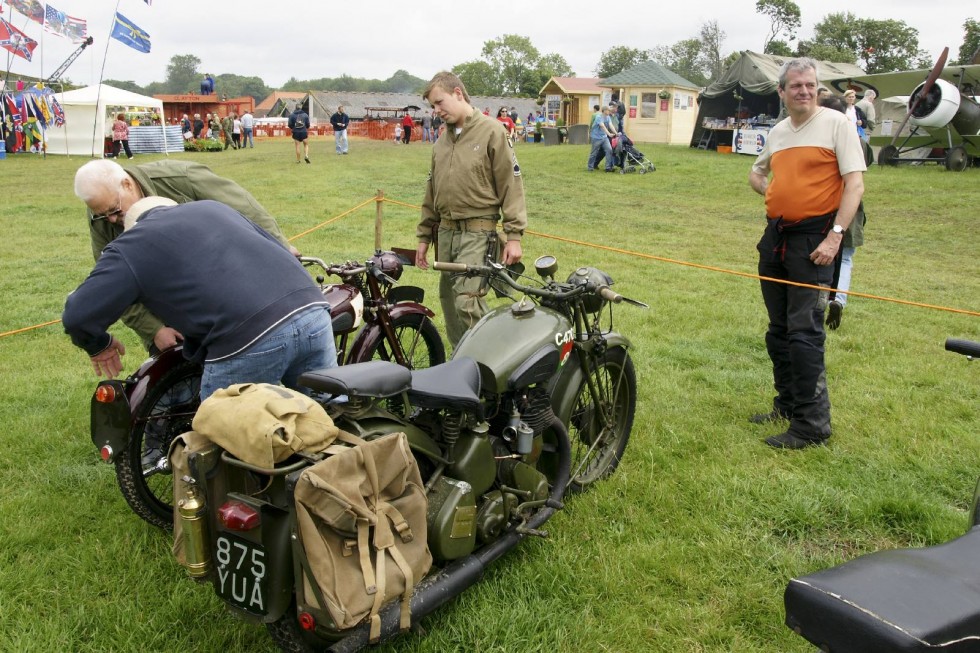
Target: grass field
{"points": [[687, 548]]}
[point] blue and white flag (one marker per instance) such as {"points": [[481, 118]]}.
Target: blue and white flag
{"points": [[127, 32]]}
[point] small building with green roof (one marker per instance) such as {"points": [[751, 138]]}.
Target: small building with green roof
{"points": [[661, 106]]}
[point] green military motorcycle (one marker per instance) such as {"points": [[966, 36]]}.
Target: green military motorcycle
{"points": [[537, 400]]}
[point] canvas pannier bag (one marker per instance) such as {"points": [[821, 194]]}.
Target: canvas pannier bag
{"points": [[361, 516]]}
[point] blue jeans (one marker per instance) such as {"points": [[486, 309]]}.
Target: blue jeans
{"points": [[340, 139], [303, 342], [603, 146], [247, 137], [844, 280]]}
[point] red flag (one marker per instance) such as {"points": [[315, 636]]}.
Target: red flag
{"points": [[15, 41]]}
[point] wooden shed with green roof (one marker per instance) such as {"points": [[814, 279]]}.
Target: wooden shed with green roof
{"points": [[661, 106]]}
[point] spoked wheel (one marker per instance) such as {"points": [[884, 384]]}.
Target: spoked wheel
{"points": [[600, 424], [143, 471], [419, 341]]}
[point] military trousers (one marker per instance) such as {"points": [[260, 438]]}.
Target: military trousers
{"points": [[462, 298]]}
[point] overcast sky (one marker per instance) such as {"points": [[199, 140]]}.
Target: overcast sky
{"points": [[373, 39]]}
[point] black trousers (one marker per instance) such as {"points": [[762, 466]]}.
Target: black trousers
{"points": [[795, 338], [115, 148]]}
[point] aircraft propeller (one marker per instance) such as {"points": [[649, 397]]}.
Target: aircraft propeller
{"points": [[937, 70]]}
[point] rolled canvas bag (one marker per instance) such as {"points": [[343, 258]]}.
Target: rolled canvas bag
{"points": [[361, 516]]}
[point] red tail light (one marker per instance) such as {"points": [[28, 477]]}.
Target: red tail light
{"points": [[106, 453], [306, 621], [105, 394], [237, 516]]}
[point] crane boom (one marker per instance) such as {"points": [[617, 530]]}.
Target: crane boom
{"points": [[56, 75]]}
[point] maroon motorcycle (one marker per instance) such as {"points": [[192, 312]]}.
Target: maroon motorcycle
{"points": [[134, 420]]}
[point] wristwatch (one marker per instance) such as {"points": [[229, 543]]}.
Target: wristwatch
{"points": [[838, 229]]}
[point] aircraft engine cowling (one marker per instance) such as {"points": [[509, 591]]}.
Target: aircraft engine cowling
{"points": [[944, 105]]}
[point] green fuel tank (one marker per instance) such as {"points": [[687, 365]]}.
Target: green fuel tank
{"points": [[517, 345]]}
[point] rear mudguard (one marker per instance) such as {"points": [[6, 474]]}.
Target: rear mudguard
{"points": [[371, 334], [111, 423], [564, 386]]}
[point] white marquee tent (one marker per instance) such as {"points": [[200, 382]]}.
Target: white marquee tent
{"points": [[89, 113]]}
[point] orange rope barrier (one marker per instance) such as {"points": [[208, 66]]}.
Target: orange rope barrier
{"points": [[617, 250]]}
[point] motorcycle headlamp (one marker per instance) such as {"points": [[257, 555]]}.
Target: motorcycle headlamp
{"points": [[388, 263], [585, 275]]}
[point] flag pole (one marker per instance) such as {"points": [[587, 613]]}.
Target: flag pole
{"points": [[98, 93]]}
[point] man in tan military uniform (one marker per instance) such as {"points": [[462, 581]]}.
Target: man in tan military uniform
{"points": [[474, 179]]}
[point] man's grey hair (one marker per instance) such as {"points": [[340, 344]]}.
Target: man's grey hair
{"points": [[96, 176], [870, 94], [799, 65]]}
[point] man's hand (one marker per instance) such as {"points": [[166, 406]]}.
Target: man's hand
{"points": [[827, 250], [295, 252], [420, 256], [512, 252], [107, 362], [167, 337]]}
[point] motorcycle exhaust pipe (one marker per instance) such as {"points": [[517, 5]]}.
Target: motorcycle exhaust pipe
{"points": [[440, 588]]}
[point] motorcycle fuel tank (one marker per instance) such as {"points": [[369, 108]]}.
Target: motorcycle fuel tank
{"points": [[517, 345]]}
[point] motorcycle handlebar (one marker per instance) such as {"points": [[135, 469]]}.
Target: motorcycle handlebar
{"points": [[341, 270], [498, 273], [965, 347]]}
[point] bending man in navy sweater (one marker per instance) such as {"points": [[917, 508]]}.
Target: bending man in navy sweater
{"points": [[246, 307]]}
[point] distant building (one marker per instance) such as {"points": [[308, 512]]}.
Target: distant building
{"points": [[661, 106]]}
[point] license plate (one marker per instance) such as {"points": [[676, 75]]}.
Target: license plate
{"points": [[241, 573]]}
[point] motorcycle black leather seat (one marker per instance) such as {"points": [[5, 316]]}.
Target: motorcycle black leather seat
{"points": [[454, 384], [371, 379], [893, 601]]}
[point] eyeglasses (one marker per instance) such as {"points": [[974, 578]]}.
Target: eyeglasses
{"points": [[116, 212]]}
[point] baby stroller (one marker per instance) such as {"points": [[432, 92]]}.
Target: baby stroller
{"points": [[630, 159]]}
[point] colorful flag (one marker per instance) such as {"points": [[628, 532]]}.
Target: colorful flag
{"points": [[57, 22], [13, 110], [15, 41], [126, 31], [33, 9]]}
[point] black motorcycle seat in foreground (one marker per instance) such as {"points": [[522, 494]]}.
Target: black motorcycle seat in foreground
{"points": [[454, 384], [893, 601], [371, 379]]}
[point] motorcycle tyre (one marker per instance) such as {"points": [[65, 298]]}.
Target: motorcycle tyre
{"points": [[612, 361], [155, 506], [434, 351]]}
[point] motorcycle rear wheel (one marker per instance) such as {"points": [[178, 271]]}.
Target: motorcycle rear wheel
{"points": [[600, 430], [166, 412], [419, 340]]}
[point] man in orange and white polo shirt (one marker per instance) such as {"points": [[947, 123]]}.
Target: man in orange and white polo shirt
{"points": [[811, 173]]}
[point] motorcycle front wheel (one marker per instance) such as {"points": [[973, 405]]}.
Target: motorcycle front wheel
{"points": [[419, 341], [142, 470], [600, 424]]}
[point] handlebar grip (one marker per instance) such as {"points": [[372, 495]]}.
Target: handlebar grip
{"points": [[446, 266], [610, 295], [965, 347]]}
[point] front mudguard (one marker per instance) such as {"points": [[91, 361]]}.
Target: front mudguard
{"points": [[564, 387], [112, 422], [372, 334]]}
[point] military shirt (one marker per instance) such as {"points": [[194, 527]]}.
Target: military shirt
{"points": [[474, 174]]}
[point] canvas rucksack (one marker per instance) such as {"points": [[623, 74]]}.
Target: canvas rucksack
{"points": [[361, 516]]}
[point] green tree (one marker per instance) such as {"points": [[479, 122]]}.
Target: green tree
{"points": [[619, 58], [182, 75], [683, 58], [514, 58], [402, 82], [971, 43], [125, 85], [779, 49], [238, 86], [550, 65], [784, 20], [478, 77], [877, 46]]}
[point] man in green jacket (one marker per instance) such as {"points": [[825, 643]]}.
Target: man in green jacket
{"points": [[108, 191], [474, 179]]}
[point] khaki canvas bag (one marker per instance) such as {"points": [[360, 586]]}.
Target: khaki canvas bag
{"points": [[361, 516]]}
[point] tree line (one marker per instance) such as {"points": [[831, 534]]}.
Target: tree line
{"points": [[511, 65]]}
